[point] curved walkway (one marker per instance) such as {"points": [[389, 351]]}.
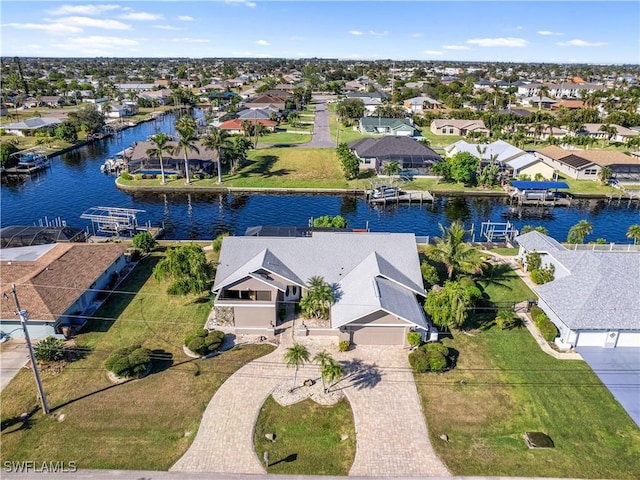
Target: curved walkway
{"points": [[391, 436]]}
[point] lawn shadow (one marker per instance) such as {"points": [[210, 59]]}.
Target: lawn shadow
{"points": [[162, 360], [359, 374], [288, 459], [117, 302], [24, 420]]}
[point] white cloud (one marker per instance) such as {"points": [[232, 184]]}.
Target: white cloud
{"points": [[185, 18], [355, 32], [55, 28], [94, 23], [190, 40], [455, 47], [95, 44], [142, 16], [82, 9], [378, 34], [416, 35], [509, 42], [547, 33], [262, 42], [241, 2], [580, 43], [432, 52], [166, 27]]}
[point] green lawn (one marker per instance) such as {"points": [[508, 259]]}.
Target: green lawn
{"points": [[285, 138], [308, 438], [144, 424], [510, 386]]}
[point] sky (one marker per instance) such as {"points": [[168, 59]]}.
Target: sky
{"points": [[601, 32]]}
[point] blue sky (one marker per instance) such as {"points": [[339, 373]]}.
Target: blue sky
{"points": [[541, 31]]}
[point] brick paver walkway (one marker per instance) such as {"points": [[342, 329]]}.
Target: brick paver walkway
{"points": [[391, 435]]}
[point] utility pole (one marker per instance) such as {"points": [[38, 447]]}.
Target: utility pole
{"points": [[24, 316]]}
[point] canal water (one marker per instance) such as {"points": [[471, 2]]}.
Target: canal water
{"points": [[75, 183]]}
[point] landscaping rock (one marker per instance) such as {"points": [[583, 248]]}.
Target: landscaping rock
{"points": [[309, 383], [344, 437], [270, 436], [445, 437]]}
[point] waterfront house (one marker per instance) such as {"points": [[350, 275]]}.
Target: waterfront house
{"points": [[56, 284], [442, 126], [386, 126], [413, 157], [235, 127], [201, 161], [593, 300], [32, 125], [375, 276]]}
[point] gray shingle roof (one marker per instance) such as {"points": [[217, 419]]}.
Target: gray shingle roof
{"points": [[393, 146], [539, 242]]}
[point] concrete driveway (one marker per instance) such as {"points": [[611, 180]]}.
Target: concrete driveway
{"points": [[391, 435], [13, 356], [619, 370], [321, 137]]}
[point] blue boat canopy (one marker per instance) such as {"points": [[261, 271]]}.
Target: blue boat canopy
{"points": [[532, 185]]}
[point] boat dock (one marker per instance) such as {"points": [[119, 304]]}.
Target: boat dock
{"points": [[113, 222], [28, 162], [400, 196]]}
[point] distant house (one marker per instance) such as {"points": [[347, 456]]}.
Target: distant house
{"points": [[593, 300], [421, 104], [201, 161], [377, 276], [159, 96], [56, 284], [569, 105], [539, 102], [234, 127], [265, 101], [443, 126], [135, 87], [44, 101], [31, 125], [412, 156], [622, 135], [386, 126], [586, 164]]}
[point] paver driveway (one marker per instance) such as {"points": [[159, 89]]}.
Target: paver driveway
{"points": [[391, 435]]}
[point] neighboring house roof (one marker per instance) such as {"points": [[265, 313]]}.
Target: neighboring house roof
{"points": [[254, 113], [391, 146], [52, 277], [600, 293], [417, 101], [374, 124], [607, 157], [537, 99], [499, 150], [539, 242], [461, 124], [236, 123], [523, 161], [594, 129], [353, 262], [570, 158], [33, 123], [570, 104]]}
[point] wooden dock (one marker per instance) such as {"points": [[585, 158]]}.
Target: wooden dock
{"points": [[402, 196]]}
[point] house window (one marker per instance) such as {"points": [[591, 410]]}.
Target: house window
{"points": [[367, 161], [444, 130], [590, 171], [451, 131]]}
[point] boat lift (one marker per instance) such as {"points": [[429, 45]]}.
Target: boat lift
{"points": [[498, 231], [114, 221]]}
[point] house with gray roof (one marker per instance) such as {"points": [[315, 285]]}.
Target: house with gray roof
{"points": [[31, 125], [412, 156], [594, 300], [375, 276], [386, 126]]}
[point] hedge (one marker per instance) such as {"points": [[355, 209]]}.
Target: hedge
{"points": [[127, 362], [546, 326], [430, 357], [205, 342]]}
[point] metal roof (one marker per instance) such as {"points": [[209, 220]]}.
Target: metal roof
{"points": [[533, 185]]}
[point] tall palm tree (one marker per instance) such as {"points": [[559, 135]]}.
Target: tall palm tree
{"points": [[331, 374], [579, 231], [609, 130], [294, 357], [186, 142], [542, 91], [160, 146], [215, 141], [323, 359], [454, 252], [634, 233], [317, 300]]}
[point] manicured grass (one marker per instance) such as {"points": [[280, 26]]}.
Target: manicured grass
{"points": [[502, 285], [508, 252], [511, 386], [439, 140], [308, 438], [587, 186], [285, 138], [142, 424]]}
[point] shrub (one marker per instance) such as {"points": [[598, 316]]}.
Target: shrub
{"points": [[534, 260], [344, 345], [506, 319], [205, 342], [144, 241], [138, 176], [543, 275], [126, 176], [545, 326], [430, 357], [49, 349], [429, 274], [217, 243], [129, 362], [414, 338]]}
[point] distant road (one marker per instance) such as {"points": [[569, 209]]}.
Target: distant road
{"points": [[322, 136]]}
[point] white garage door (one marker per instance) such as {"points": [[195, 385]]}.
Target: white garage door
{"points": [[628, 339], [591, 339], [377, 335]]}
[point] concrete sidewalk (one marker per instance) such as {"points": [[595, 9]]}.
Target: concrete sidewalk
{"points": [[13, 356]]}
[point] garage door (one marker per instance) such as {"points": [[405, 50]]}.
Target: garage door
{"points": [[628, 339], [591, 339], [377, 335]]}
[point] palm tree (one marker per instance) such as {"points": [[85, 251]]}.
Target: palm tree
{"points": [[605, 174], [160, 146], [323, 359], [186, 143], [579, 231], [294, 357], [215, 141], [454, 252], [531, 228], [542, 91], [634, 232], [391, 169], [331, 374], [318, 299], [609, 130]]}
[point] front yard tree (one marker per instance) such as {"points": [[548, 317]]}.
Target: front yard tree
{"points": [[579, 231], [331, 374], [634, 233], [296, 356], [351, 108], [188, 267], [159, 146], [463, 167], [449, 306], [454, 252]]}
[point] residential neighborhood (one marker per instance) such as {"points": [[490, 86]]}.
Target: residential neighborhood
{"points": [[246, 238]]}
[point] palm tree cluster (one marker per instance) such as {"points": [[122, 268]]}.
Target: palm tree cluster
{"points": [[456, 254], [316, 302], [330, 370]]}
